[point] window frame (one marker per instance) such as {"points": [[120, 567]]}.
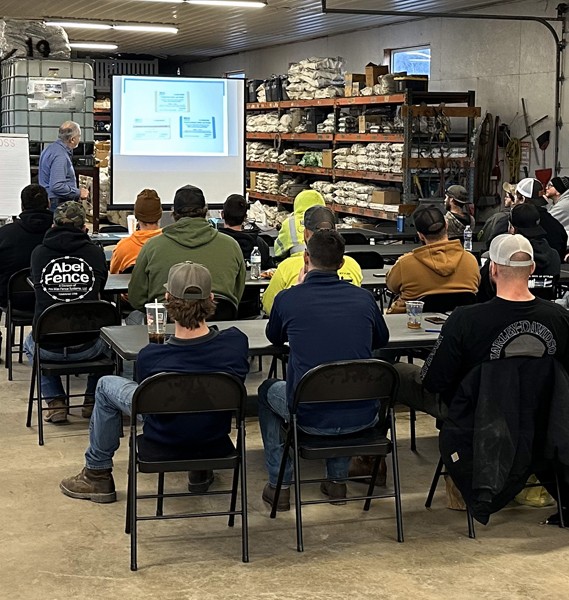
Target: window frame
{"points": [[390, 56]]}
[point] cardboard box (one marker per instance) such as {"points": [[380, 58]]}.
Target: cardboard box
{"points": [[252, 181], [364, 122], [373, 71], [327, 159], [386, 197], [351, 78], [354, 90]]}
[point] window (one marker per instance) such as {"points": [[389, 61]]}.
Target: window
{"points": [[235, 75], [416, 61]]}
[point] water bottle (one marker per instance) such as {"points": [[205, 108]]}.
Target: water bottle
{"points": [[468, 238], [255, 263]]}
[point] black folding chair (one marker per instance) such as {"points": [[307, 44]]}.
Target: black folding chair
{"points": [[367, 259], [250, 304], [346, 381], [113, 229], [20, 313], [66, 325], [177, 394], [225, 309], [354, 238]]}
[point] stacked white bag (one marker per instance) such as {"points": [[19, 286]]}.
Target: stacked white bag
{"points": [[14, 35], [316, 78], [260, 152], [381, 158]]}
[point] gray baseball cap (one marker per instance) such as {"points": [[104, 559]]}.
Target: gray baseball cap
{"points": [[458, 193], [189, 281]]}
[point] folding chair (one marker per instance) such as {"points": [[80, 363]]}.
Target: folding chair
{"points": [[346, 381], [20, 313], [354, 238], [177, 394], [367, 259], [225, 309], [66, 325]]}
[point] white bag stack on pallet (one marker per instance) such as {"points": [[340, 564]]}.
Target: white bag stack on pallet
{"points": [[19, 37], [316, 78]]}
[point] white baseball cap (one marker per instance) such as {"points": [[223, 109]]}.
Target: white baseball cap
{"points": [[504, 246], [529, 187]]}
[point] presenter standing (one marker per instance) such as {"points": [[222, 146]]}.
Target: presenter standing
{"points": [[56, 172]]}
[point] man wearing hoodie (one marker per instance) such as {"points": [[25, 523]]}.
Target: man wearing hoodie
{"points": [[18, 239], [557, 191], [291, 236], [441, 266], [233, 214], [148, 212], [190, 238], [524, 220], [67, 266]]}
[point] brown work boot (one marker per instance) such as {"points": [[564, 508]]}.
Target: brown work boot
{"points": [[57, 412], [88, 404], [335, 491], [199, 481], [363, 465], [284, 498], [96, 485], [454, 499]]}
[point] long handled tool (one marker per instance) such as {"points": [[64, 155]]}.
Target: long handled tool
{"points": [[529, 129]]}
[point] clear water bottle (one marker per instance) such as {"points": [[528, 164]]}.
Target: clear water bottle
{"points": [[255, 263], [468, 238]]}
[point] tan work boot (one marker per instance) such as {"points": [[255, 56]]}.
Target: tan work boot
{"points": [[363, 465], [96, 485], [57, 412], [88, 404], [335, 491], [454, 499]]}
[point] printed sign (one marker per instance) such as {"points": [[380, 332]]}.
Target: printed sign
{"points": [[67, 278]]}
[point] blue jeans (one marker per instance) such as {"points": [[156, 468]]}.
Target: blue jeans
{"points": [[113, 396], [53, 204], [51, 386], [273, 412]]}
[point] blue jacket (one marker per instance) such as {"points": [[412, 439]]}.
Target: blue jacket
{"points": [[56, 172], [326, 319], [218, 351]]}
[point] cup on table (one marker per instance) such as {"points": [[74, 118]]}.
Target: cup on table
{"points": [[156, 321], [414, 313]]}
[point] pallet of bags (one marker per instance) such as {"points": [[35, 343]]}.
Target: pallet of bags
{"points": [[23, 38], [316, 78]]}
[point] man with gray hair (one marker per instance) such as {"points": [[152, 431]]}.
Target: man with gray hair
{"points": [[56, 172]]}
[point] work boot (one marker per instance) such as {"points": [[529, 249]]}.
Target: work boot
{"points": [[96, 485], [199, 481], [57, 412], [363, 465], [88, 404], [284, 497], [335, 491]]}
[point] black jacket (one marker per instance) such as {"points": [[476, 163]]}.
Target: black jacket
{"points": [[67, 266], [556, 235], [506, 417], [247, 241], [547, 262], [17, 242]]}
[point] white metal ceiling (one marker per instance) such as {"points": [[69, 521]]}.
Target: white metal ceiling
{"points": [[206, 31]]}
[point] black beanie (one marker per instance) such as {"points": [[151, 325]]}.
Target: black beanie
{"points": [[561, 184]]}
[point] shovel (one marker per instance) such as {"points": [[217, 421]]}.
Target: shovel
{"points": [[544, 175]]}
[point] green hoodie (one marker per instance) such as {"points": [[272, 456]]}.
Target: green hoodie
{"points": [[191, 239]]}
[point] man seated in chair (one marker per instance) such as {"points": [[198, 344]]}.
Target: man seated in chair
{"points": [[324, 319], [289, 270], [441, 266], [66, 267], [514, 323], [194, 348]]}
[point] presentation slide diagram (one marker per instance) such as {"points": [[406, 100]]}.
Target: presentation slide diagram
{"points": [[165, 117]]}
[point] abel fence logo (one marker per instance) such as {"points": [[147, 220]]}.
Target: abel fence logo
{"points": [[67, 278]]}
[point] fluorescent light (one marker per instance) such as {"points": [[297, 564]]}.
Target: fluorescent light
{"points": [[237, 3], [93, 46], [78, 25], [148, 28]]}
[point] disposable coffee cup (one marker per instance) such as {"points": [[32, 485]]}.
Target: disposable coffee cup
{"points": [[131, 224], [156, 322], [414, 313]]}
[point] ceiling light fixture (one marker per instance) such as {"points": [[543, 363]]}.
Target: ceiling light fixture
{"points": [[148, 28], [78, 25], [92, 46], [235, 3]]}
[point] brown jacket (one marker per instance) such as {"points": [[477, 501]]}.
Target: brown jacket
{"points": [[439, 268]]}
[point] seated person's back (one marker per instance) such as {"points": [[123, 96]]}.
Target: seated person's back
{"points": [[287, 273], [233, 215], [190, 238], [148, 212], [441, 266]]}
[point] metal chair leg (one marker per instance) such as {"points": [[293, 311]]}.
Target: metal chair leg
{"points": [[132, 500], [372, 482], [244, 514], [297, 498], [9, 342], [434, 483], [233, 503], [396, 480], [471, 533], [39, 397], [286, 450], [412, 420], [128, 494], [21, 351], [283, 364], [160, 500], [559, 502], [31, 396]]}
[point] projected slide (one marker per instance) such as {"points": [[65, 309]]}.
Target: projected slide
{"points": [[169, 117]]}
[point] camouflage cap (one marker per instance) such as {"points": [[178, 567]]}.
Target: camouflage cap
{"points": [[70, 213]]}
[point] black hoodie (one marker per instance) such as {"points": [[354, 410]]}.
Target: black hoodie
{"points": [[67, 266], [17, 242], [247, 240]]}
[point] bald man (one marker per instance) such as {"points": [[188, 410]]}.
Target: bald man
{"points": [[56, 172]]}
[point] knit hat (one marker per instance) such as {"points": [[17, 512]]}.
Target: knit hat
{"points": [[458, 193], [561, 184], [148, 207], [70, 213]]}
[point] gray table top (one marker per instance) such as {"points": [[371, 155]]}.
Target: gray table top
{"points": [[108, 239], [127, 341]]}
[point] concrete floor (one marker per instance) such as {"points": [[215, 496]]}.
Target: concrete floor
{"points": [[54, 547]]}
